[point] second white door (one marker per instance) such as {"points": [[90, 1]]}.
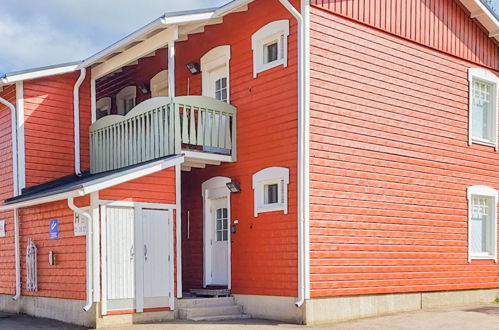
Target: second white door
{"points": [[219, 242]]}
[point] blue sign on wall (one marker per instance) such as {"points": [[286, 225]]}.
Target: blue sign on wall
{"points": [[54, 229]]}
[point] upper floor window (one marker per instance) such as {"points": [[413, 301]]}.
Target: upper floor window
{"points": [[215, 71], [103, 107], [482, 223], [271, 190], [270, 46], [126, 99], [159, 84], [483, 107]]}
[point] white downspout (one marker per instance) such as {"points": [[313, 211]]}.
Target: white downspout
{"points": [[302, 152], [13, 119], [13, 116], [76, 111], [17, 255], [89, 242]]}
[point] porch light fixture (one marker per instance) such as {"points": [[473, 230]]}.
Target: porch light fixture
{"points": [[194, 67], [234, 187], [145, 88]]}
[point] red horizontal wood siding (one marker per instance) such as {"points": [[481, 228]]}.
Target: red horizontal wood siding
{"points": [[7, 261], [154, 188], [264, 249], [65, 279], [390, 165], [48, 127], [444, 25]]}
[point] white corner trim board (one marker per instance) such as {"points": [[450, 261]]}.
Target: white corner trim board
{"points": [[491, 230], [486, 77], [21, 155], [273, 32]]}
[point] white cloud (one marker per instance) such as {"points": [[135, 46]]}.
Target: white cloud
{"points": [[36, 33]]}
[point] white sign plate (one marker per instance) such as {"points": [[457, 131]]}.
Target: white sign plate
{"points": [[2, 228], [80, 225]]}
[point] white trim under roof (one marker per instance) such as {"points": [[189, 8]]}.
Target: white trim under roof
{"points": [[100, 183], [205, 16], [53, 70]]}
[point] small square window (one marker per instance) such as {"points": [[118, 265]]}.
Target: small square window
{"points": [[271, 190], [271, 194], [271, 52]]}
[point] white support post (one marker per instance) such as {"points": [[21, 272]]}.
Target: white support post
{"points": [[178, 219], [94, 212], [93, 100], [171, 68]]}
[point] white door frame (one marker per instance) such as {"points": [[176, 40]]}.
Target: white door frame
{"points": [[211, 189], [138, 207]]}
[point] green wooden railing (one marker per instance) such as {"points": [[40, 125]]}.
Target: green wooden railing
{"points": [[163, 126]]}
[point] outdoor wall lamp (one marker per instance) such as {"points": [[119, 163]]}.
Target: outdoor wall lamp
{"points": [[194, 67], [234, 187], [145, 88]]}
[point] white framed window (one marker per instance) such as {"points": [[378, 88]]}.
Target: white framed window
{"points": [[103, 107], [126, 99], [483, 107], [159, 84], [216, 73], [270, 46], [270, 187], [482, 223]]}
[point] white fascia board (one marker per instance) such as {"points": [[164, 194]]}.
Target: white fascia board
{"points": [[42, 200], [131, 174], [231, 7], [42, 72]]}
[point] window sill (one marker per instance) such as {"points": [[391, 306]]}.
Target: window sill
{"points": [[482, 257], [268, 66], [483, 142], [271, 208]]}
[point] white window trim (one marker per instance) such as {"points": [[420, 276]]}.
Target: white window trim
{"points": [[272, 31], [486, 76], [486, 192], [104, 105], [126, 93], [270, 175], [214, 59], [159, 82]]}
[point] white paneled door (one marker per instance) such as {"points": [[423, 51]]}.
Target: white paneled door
{"points": [[120, 251], [137, 260], [155, 228]]}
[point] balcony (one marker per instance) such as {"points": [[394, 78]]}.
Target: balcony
{"points": [[202, 127]]}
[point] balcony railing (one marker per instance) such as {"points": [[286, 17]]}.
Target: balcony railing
{"points": [[160, 127]]}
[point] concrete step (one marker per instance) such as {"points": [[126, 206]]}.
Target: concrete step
{"points": [[209, 311], [221, 317], [205, 302]]}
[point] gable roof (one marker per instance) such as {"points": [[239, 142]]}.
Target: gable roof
{"points": [[478, 9]]}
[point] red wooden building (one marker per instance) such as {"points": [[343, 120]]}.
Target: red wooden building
{"points": [[313, 161]]}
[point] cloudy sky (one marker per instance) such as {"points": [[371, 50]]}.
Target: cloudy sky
{"points": [[35, 33]]}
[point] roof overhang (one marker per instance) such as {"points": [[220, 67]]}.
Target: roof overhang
{"points": [[171, 26], [91, 186], [483, 14], [14, 77]]}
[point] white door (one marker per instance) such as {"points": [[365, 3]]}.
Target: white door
{"points": [[219, 242], [120, 250], [155, 228], [218, 84]]}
